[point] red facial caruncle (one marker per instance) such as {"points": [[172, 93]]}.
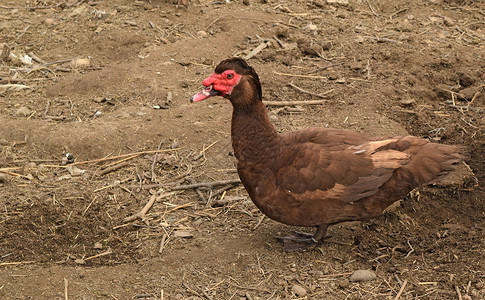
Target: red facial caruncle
{"points": [[217, 85]]}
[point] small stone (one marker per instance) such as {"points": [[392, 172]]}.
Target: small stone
{"points": [[3, 142], [81, 62], [49, 21], [80, 261], [201, 34], [23, 111], [359, 39], [407, 102], [410, 17], [343, 284], [298, 290], [362, 275], [449, 21], [466, 81], [3, 177], [355, 65], [98, 245], [183, 233]]}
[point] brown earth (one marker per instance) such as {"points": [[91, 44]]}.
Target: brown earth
{"points": [[386, 68]]}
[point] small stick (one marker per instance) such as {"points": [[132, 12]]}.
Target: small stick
{"points": [[401, 290], [30, 7], [371, 8], [300, 75], [91, 203], [291, 103], [112, 168], [99, 255], [141, 214], [214, 22], [457, 289], [336, 275], [308, 92], [15, 174], [197, 190], [154, 177], [474, 97], [259, 222], [122, 160], [324, 67], [66, 297], [205, 184], [162, 243], [17, 263], [46, 108], [123, 155], [257, 50]]}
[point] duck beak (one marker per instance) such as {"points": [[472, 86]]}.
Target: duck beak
{"points": [[207, 92]]}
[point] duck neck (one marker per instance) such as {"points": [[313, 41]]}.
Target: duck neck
{"points": [[253, 135]]}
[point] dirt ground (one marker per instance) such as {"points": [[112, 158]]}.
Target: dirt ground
{"points": [[95, 121]]}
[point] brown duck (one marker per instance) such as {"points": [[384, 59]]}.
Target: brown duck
{"points": [[318, 176]]}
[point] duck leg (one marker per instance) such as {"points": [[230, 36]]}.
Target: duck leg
{"points": [[302, 241]]}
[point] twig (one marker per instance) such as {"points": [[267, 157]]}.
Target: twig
{"points": [[202, 152], [46, 108], [197, 190], [205, 184], [259, 222], [257, 50], [205, 293], [31, 7], [411, 251], [163, 243], [114, 167], [308, 92], [14, 174], [99, 255], [290, 103], [66, 296], [401, 290], [371, 8], [121, 156], [141, 214], [50, 64], [457, 289], [214, 22], [300, 75], [154, 177], [90, 203], [336, 275], [324, 67], [17, 263]]}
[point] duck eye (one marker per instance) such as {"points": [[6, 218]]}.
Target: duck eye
{"points": [[229, 76]]}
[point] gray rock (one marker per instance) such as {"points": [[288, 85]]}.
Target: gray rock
{"points": [[362, 275]]}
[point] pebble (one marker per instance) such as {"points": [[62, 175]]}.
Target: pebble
{"points": [[407, 102], [359, 39], [98, 245], [23, 111], [49, 21], [3, 142], [201, 34], [3, 177], [298, 290], [81, 62], [362, 275]]}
